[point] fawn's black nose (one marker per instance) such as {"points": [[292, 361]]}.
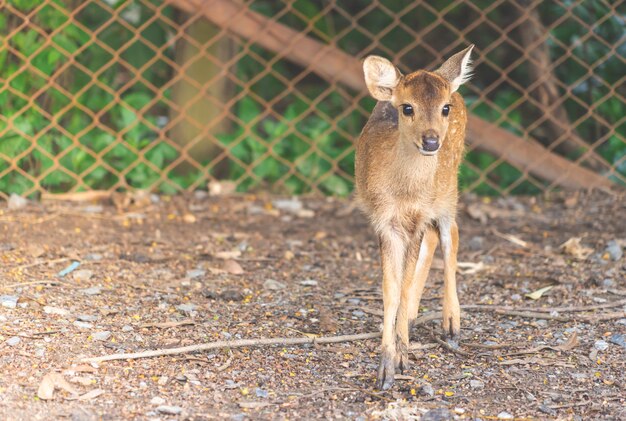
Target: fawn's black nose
{"points": [[430, 144]]}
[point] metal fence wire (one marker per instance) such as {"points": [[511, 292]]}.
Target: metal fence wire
{"points": [[169, 95]]}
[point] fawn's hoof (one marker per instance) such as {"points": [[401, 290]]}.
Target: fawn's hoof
{"points": [[452, 327], [386, 371], [402, 356]]}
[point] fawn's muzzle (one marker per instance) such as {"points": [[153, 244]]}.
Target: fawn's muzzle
{"points": [[430, 144]]}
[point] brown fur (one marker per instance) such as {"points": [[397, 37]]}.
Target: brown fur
{"points": [[411, 198]]}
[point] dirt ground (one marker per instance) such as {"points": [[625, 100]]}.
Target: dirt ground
{"points": [[168, 272]]}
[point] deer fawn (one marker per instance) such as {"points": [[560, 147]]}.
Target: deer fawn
{"points": [[407, 160]]}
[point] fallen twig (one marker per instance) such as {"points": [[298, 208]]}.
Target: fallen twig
{"points": [[235, 344]]}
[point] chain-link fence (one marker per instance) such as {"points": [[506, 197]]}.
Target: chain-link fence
{"points": [[167, 95]]}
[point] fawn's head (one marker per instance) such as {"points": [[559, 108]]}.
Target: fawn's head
{"points": [[422, 98]]}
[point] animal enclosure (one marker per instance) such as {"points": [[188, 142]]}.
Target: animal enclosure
{"points": [[167, 95]]}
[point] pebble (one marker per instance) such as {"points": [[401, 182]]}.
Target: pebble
{"points": [[83, 275], [260, 393], [293, 205], [82, 325], [273, 285], [608, 283], [427, 389], [516, 297], [195, 273], [614, 250], [186, 308], [232, 295], [358, 313], [309, 283], [476, 243], [505, 416], [618, 339], [476, 384], [14, 340], [55, 310], [621, 322], [16, 202], [9, 301], [101, 336], [354, 301], [601, 345], [127, 328], [94, 257], [92, 291], [169, 410], [157, 400], [437, 414], [87, 317]]}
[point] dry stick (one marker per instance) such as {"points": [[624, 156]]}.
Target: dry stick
{"points": [[235, 344], [335, 65]]}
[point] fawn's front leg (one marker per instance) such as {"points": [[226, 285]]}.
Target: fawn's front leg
{"points": [[392, 251], [449, 236], [419, 256]]}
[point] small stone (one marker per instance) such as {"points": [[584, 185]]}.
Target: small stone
{"points": [[82, 275], [82, 325], [614, 250], [358, 313], [293, 205], [162, 380], [87, 317], [516, 297], [169, 410], [438, 414], [476, 243], [427, 390], [16, 202], [273, 285], [186, 308], [92, 291], [189, 218], [354, 301], [195, 273], [232, 295], [55, 310], [621, 322], [94, 257], [476, 384], [14, 340], [618, 339], [601, 345], [505, 416], [101, 336], [9, 301], [127, 328], [608, 283], [260, 393], [157, 400], [309, 283]]}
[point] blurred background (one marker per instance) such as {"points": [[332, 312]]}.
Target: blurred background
{"points": [[170, 95]]}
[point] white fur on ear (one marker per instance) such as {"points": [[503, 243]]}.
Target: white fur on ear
{"points": [[457, 69], [381, 77]]}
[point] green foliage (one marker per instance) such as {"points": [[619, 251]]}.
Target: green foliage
{"points": [[74, 116]]}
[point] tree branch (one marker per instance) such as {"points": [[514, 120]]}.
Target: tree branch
{"points": [[334, 65]]}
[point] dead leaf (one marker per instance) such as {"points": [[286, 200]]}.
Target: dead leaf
{"points": [[87, 396], [470, 268], [233, 267], [52, 381], [233, 254], [572, 247], [535, 295], [570, 344]]}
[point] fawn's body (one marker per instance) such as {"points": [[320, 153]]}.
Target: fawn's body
{"points": [[407, 160]]}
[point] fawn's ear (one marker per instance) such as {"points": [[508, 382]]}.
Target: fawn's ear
{"points": [[457, 69], [381, 77]]}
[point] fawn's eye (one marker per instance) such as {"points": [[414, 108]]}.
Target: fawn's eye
{"points": [[407, 109], [446, 110]]}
